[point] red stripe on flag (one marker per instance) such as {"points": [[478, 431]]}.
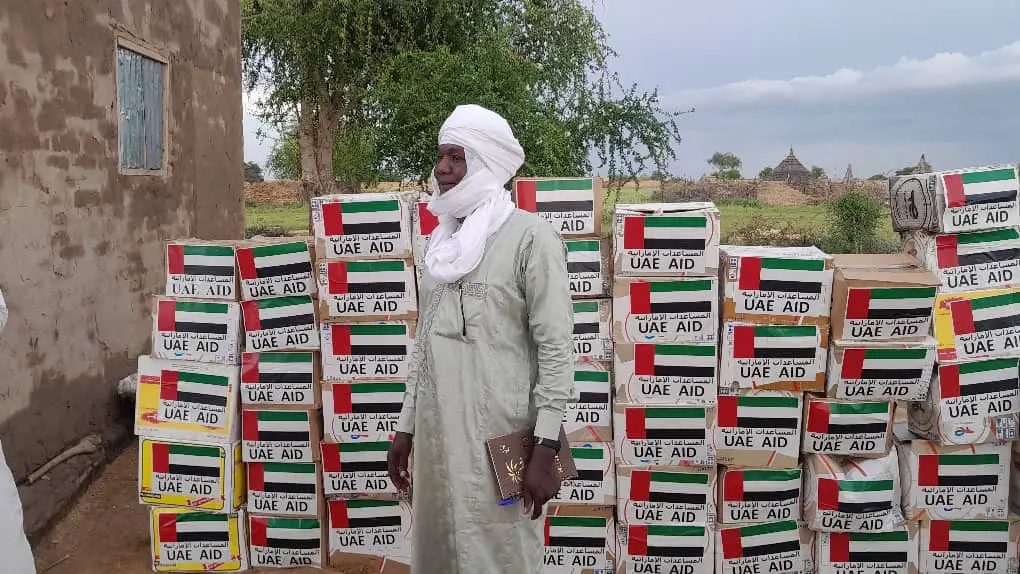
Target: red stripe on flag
{"points": [[743, 342], [634, 232], [640, 298], [168, 385], [644, 360], [246, 263], [949, 381], [938, 536], [750, 274], [954, 190], [858, 304], [250, 426], [928, 470], [828, 494], [427, 221], [341, 335], [250, 368], [168, 528], [839, 547], [946, 251], [636, 423], [527, 195], [175, 259], [338, 514], [250, 311], [167, 316], [853, 364], [256, 476], [259, 536], [330, 457], [545, 531], [733, 486], [333, 218], [637, 540], [727, 411], [640, 485], [962, 313], [818, 417], [160, 457], [336, 277], [733, 546], [342, 403]]}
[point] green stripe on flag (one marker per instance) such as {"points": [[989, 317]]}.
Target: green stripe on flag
{"points": [[293, 523], [370, 206], [793, 264], [563, 184], [663, 530], [987, 236], [375, 266], [666, 221], [201, 517], [580, 521], [858, 408], [686, 350], [277, 302], [770, 528], [591, 376], [281, 249], [202, 378], [1004, 174], [992, 365], [191, 450], [377, 388], [292, 467], [786, 331], [285, 358], [894, 536], [771, 475], [994, 301], [771, 402], [586, 307], [587, 453], [192, 307], [364, 447], [209, 250], [968, 459], [400, 329], [901, 354], [674, 413], [680, 477], [285, 416], [371, 503], [574, 246], [979, 525], [865, 485], [903, 293], [675, 286]]}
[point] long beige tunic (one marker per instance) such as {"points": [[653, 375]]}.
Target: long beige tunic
{"points": [[494, 355]]}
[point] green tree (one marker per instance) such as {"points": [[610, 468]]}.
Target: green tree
{"points": [[877, 177], [817, 172], [910, 169], [765, 173], [853, 223], [726, 164], [253, 172]]}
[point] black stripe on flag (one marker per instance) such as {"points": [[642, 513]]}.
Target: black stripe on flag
{"points": [[584, 267], [989, 387], [285, 378], [559, 206], [284, 436], [969, 480], [590, 475], [878, 556], [686, 244], [587, 397], [989, 547], [363, 466], [689, 434], [987, 257], [203, 536], [676, 551], [295, 544], [192, 470], [207, 328], [790, 286], [392, 350], [288, 321], [373, 521], [202, 399], [770, 495], [864, 507], [855, 428], [586, 328], [213, 270], [288, 487], [918, 313], [781, 353], [370, 228], [387, 287], [993, 324], [376, 408], [766, 423], [682, 307], [676, 497], [993, 197], [284, 270], [780, 548], [891, 373], [682, 371], [577, 542]]}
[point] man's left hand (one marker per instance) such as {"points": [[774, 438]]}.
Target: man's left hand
{"points": [[541, 481]]}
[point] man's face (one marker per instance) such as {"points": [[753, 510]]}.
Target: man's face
{"points": [[451, 166]]}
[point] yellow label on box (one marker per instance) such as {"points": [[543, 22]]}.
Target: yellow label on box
{"points": [[975, 324], [182, 474], [195, 541], [184, 400]]}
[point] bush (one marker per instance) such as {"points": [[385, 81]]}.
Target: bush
{"points": [[740, 202], [760, 230], [265, 231], [853, 223]]}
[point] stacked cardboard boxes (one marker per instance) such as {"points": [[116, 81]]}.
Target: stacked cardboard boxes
{"points": [[368, 305]]}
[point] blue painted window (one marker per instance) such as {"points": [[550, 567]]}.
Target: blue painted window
{"points": [[140, 90]]}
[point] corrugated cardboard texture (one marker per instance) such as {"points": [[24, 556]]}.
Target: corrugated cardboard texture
{"points": [[577, 559], [982, 341], [589, 267], [831, 552], [852, 496], [976, 485], [666, 310], [274, 449], [880, 370], [196, 269], [759, 429], [230, 555], [686, 433], [926, 422], [994, 551], [351, 549], [361, 412], [643, 489], [968, 261], [672, 548], [771, 373], [666, 373], [596, 481], [590, 419], [591, 344], [751, 495], [281, 380], [755, 548], [340, 363], [561, 207], [856, 431], [276, 267], [163, 480], [873, 315], [196, 330], [372, 232], [168, 406], [694, 250], [285, 501], [919, 201], [283, 557], [775, 285]]}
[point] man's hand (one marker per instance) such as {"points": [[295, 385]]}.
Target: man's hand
{"points": [[396, 461], [541, 481]]}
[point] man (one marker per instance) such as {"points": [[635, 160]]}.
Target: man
{"points": [[15, 553], [493, 355]]}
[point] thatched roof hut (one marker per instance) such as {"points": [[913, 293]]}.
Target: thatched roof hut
{"points": [[791, 171]]}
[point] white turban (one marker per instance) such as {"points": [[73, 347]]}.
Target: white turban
{"points": [[493, 157]]}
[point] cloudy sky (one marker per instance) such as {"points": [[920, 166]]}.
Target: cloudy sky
{"points": [[874, 83]]}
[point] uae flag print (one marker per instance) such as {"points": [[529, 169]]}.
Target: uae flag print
{"points": [[584, 256], [890, 304], [782, 275], [855, 496], [665, 232], [960, 470], [967, 249], [278, 368], [760, 540], [186, 460], [367, 398], [670, 360], [982, 380], [775, 342], [355, 457], [761, 485], [278, 313], [833, 418], [286, 533], [666, 541], [985, 314], [587, 318], [282, 478], [193, 527], [907, 365], [361, 217], [367, 277], [980, 187], [970, 536], [280, 261], [344, 514], [200, 260], [194, 388], [869, 547], [669, 487], [590, 463], [671, 297], [369, 340], [678, 423], [759, 412], [192, 317], [575, 531], [276, 426], [556, 195]]}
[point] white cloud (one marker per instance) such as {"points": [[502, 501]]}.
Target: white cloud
{"points": [[940, 72]]}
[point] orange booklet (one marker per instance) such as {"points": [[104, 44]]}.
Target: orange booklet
{"points": [[509, 455]]}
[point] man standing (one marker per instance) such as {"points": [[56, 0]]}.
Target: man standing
{"points": [[493, 355]]}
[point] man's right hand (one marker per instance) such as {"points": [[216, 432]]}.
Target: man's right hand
{"points": [[396, 461]]}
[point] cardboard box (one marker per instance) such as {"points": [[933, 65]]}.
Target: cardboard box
{"points": [[366, 351], [195, 330], [871, 552], [280, 379], [976, 389], [968, 546], [580, 539], [362, 226], [925, 420], [880, 297], [755, 495], [359, 412], [187, 540], [666, 239], [666, 373], [774, 357], [782, 546], [590, 419], [185, 400], [968, 261], [200, 475], [852, 496], [666, 548], [880, 370], [775, 285], [664, 435], [285, 489], [592, 323], [666, 495], [954, 482], [379, 290], [596, 476], [423, 223], [281, 324], [357, 469], [589, 267], [370, 536], [573, 205], [287, 542], [276, 435], [970, 199], [666, 310], [978, 325], [198, 269], [276, 268], [837, 427], [759, 428]]}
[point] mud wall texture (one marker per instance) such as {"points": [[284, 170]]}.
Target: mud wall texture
{"points": [[80, 239]]}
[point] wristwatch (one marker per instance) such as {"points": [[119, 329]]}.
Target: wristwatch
{"points": [[549, 443]]}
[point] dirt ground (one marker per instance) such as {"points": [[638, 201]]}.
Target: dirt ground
{"points": [[107, 532]]}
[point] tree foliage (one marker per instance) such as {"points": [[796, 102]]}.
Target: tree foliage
{"points": [[253, 172], [853, 223], [766, 173], [817, 172], [727, 165]]}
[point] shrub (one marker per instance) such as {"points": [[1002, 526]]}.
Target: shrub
{"points": [[265, 231], [760, 230], [853, 223]]}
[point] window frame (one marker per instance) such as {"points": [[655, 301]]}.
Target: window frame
{"points": [[135, 45]]}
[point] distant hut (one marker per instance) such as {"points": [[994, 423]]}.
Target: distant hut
{"points": [[791, 172], [923, 166]]}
